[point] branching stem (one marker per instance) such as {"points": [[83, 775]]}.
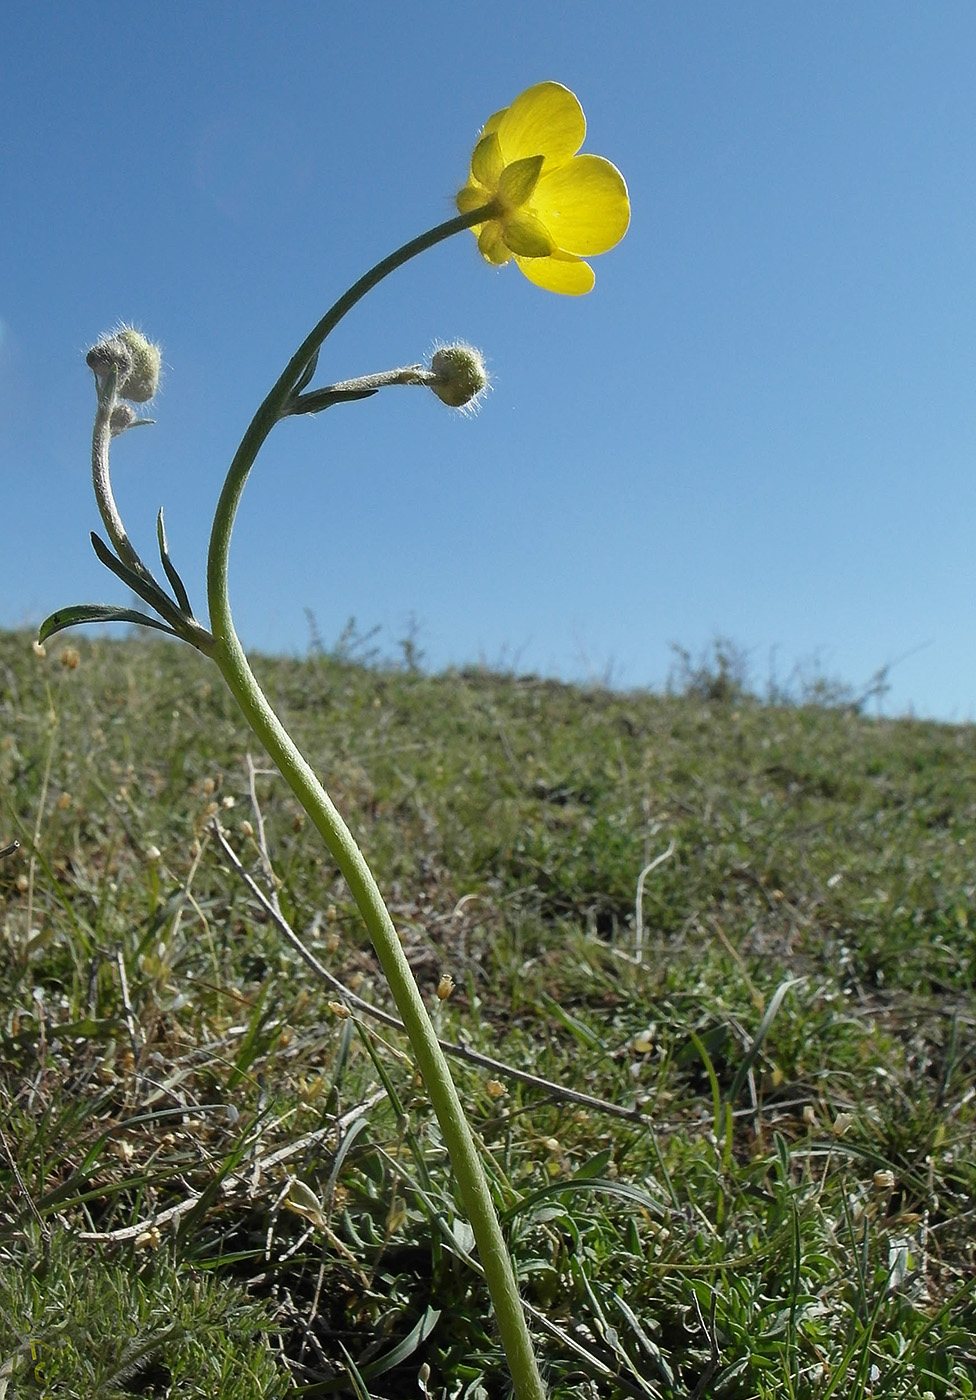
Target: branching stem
{"points": [[229, 655]]}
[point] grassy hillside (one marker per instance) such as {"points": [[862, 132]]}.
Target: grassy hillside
{"points": [[215, 1181]]}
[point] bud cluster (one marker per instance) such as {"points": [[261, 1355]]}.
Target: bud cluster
{"points": [[136, 360]]}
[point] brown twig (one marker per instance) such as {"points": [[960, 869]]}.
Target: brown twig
{"points": [[459, 1052], [259, 1165]]}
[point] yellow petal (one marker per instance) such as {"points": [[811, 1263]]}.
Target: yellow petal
{"points": [[544, 120], [492, 123], [487, 163], [584, 204], [491, 244], [560, 273], [525, 235]]}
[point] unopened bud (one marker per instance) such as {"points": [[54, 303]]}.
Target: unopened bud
{"points": [[136, 360], [110, 353], [143, 379], [123, 416], [460, 377]]}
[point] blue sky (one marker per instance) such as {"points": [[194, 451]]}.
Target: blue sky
{"points": [[761, 424]]}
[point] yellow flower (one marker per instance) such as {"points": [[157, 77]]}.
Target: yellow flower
{"points": [[550, 207]]}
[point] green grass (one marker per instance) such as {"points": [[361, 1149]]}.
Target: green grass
{"points": [[213, 1184]]}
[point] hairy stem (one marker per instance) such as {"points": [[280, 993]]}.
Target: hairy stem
{"points": [[180, 619], [229, 655], [102, 479]]}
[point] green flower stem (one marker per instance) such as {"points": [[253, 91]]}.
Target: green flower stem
{"points": [[468, 1171], [229, 655]]}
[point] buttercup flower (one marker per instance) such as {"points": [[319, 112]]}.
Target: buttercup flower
{"points": [[550, 207]]}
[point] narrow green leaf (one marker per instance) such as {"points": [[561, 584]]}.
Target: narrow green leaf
{"points": [[596, 1166], [142, 584], [649, 1345], [355, 1129], [176, 582], [96, 612], [252, 1041], [403, 1349], [587, 1038], [319, 399], [395, 1101], [359, 1387], [750, 1056], [603, 1185], [181, 623], [706, 1060], [305, 378], [145, 586]]}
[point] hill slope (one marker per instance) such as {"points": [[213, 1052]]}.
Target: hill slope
{"points": [[216, 1183]]}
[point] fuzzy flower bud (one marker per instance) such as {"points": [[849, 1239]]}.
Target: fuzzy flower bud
{"points": [[110, 353], [143, 379], [123, 416], [135, 358], [460, 377]]}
